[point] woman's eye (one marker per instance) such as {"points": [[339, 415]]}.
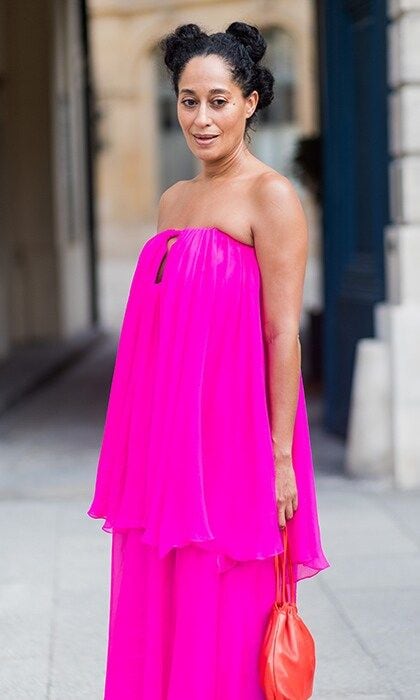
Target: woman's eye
{"points": [[190, 102]]}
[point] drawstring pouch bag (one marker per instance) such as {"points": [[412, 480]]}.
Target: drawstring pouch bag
{"points": [[287, 658]]}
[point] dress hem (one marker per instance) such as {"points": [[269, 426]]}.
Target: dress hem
{"points": [[225, 559]]}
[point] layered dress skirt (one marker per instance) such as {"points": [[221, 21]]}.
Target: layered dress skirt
{"points": [[185, 481]]}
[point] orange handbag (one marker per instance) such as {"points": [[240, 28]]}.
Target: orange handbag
{"points": [[287, 658]]}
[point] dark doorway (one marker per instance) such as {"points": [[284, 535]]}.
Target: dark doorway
{"points": [[353, 87]]}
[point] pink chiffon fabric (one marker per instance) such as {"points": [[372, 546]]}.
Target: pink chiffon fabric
{"points": [[185, 478]]}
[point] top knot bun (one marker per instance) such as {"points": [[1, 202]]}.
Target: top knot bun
{"points": [[177, 44], [188, 32], [250, 37]]}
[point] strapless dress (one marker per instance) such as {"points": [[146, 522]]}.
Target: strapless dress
{"points": [[186, 454], [185, 470]]}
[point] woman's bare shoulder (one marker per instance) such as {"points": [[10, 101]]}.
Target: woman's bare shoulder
{"points": [[273, 188], [173, 191], [169, 198], [270, 182], [277, 211]]}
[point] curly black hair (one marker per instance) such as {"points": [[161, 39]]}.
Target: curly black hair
{"points": [[242, 46]]}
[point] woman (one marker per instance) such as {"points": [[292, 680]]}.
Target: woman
{"points": [[206, 451]]}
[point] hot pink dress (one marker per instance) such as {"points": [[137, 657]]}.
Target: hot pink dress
{"points": [[185, 479]]}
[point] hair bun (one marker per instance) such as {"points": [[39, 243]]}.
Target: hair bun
{"points": [[175, 44], [250, 37], [188, 32]]}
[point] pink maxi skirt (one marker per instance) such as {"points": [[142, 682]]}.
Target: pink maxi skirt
{"points": [[181, 630]]}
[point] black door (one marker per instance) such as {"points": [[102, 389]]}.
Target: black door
{"points": [[353, 85]]}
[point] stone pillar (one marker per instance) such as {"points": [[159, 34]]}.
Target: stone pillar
{"points": [[403, 238], [69, 171]]}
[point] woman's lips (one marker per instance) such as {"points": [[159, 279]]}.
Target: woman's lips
{"points": [[205, 140]]}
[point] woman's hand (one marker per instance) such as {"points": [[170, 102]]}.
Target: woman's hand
{"points": [[286, 490]]}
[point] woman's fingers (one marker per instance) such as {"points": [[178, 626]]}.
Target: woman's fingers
{"points": [[282, 519], [289, 510], [285, 512], [286, 494]]}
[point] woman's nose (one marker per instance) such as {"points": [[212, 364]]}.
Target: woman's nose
{"points": [[202, 115]]}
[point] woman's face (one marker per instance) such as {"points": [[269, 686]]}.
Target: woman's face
{"points": [[211, 104]]}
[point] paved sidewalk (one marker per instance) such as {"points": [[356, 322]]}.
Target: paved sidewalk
{"points": [[364, 611]]}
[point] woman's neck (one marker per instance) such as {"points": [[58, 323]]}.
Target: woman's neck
{"points": [[231, 165]]}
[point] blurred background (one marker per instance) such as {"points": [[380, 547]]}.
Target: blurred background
{"points": [[89, 139]]}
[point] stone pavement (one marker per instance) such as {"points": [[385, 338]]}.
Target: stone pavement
{"points": [[364, 611]]}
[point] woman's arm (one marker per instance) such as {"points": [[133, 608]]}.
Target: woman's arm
{"points": [[281, 245]]}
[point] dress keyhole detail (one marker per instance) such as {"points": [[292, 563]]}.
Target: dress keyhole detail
{"points": [[169, 243]]}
